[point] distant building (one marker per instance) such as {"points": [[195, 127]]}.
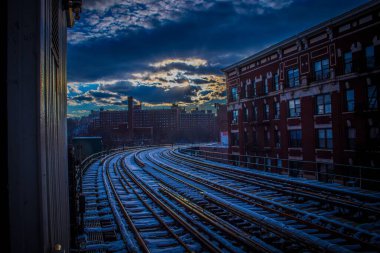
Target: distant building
{"points": [[148, 126], [112, 119], [312, 97]]}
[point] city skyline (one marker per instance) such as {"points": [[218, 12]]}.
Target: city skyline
{"points": [[161, 53]]}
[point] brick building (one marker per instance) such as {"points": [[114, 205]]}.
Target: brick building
{"points": [[158, 125], [312, 97], [112, 119]]}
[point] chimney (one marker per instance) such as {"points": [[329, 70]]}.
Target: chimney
{"points": [[130, 117]]}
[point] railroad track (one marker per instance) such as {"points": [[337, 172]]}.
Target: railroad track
{"points": [[158, 224], [367, 204], [308, 199], [315, 231], [221, 236], [162, 201], [150, 226]]}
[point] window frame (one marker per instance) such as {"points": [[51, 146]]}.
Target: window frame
{"points": [[235, 117], [277, 138], [255, 113], [370, 60], [297, 113], [347, 63], [324, 72], [372, 101], [234, 94], [297, 142], [323, 105], [324, 138], [350, 140], [350, 102], [235, 139], [276, 82], [293, 80], [266, 112], [276, 110], [266, 86], [245, 114]]}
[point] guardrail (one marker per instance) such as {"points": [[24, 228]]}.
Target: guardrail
{"points": [[349, 175]]}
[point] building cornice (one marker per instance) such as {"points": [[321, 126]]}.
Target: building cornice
{"points": [[307, 33]]}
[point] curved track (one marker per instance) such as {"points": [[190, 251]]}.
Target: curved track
{"points": [[162, 200]]}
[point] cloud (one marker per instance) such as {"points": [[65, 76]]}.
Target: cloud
{"points": [[160, 47], [107, 19], [154, 88], [195, 62]]}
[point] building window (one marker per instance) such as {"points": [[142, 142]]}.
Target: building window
{"points": [[350, 100], [246, 89], [254, 90], [372, 97], [277, 138], [266, 87], [266, 112], [276, 84], [266, 138], [347, 57], [254, 137], [255, 113], [234, 139], [268, 164], [374, 136], [234, 94], [235, 116], [321, 70], [351, 137], [276, 110], [279, 165], [293, 77], [295, 169], [294, 108], [323, 104], [370, 57], [295, 137], [324, 138], [245, 114]]}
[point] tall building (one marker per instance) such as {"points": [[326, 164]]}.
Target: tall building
{"points": [[34, 179], [112, 119], [312, 97]]}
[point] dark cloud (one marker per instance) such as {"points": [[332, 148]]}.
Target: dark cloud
{"points": [[102, 94], [221, 34], [154, 94], [81, 98], [116, 39], [200, 81]]}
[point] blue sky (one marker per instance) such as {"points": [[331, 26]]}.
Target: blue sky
{"points": [[171, 51]]}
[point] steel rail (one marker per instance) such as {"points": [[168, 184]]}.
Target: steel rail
{"points": [[277, 231], [221, 188], [151, 209], [127, 217], [291, 184], [239, 175], [173, 214]]}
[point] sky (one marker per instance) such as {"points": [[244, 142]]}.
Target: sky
{"points": [[172, 51]]}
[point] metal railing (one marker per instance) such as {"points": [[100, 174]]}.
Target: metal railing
{"points": [[348, 175]]}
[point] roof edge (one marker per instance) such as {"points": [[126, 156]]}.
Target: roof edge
{"points": [[311, 30]]}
